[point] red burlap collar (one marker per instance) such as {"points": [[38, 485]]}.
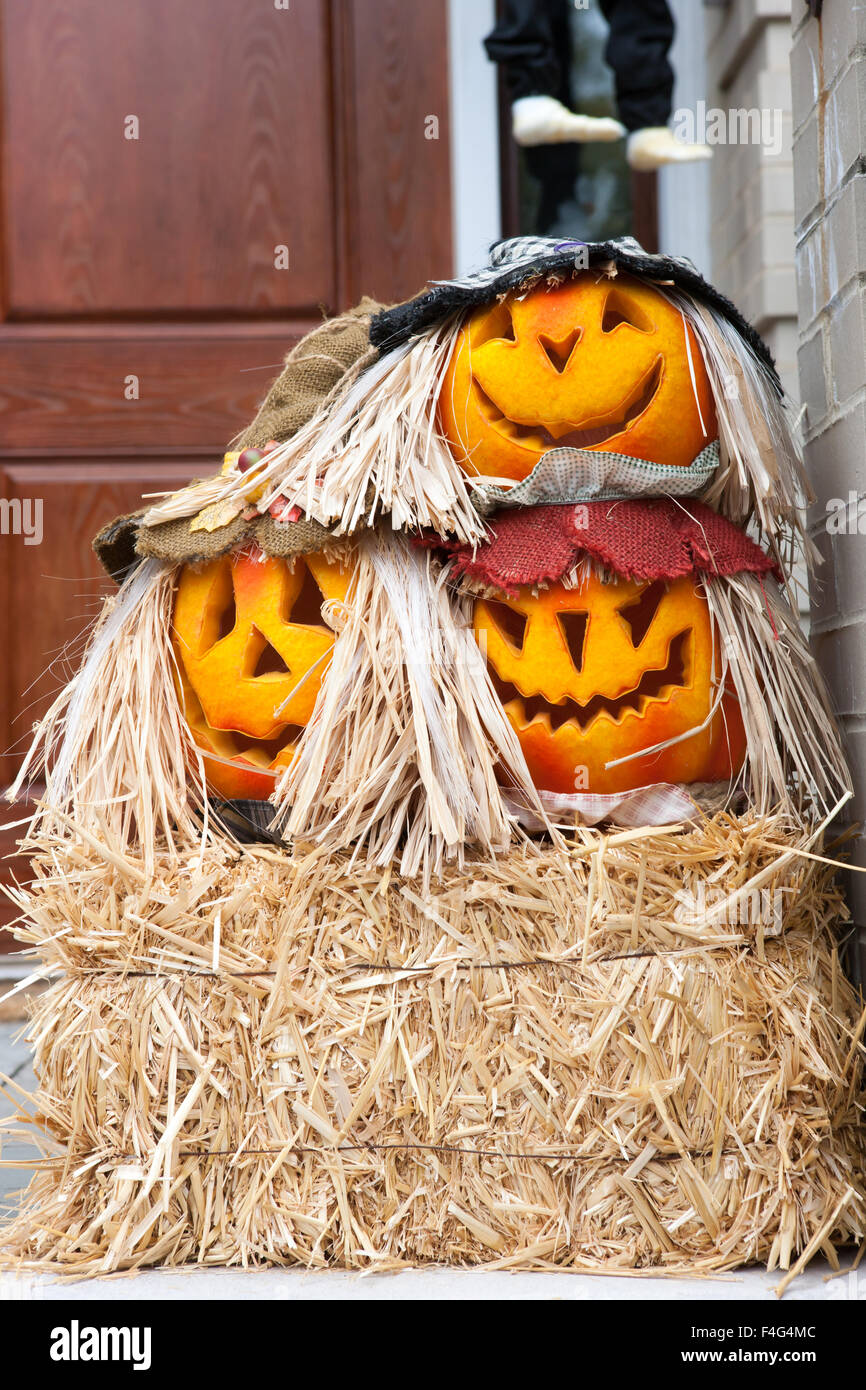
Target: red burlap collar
{"points": [[639, 539]]}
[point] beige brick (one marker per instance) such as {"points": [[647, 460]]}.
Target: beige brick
{"points": [[771, 295], [744, 25], [844, 32], [836, 458], [783, 339], [848, 348], [813, 384], [776, 185], [773, 88], [777, 245], [832, 253], [846, 678], [805, 73], [822, 584], [846, 236], [807, 184], [844, 127]]}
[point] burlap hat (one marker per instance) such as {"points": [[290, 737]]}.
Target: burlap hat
{"points": [[521, 261], [311, 371]]}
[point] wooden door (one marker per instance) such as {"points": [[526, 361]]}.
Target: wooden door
{"points": [[186, 188]]}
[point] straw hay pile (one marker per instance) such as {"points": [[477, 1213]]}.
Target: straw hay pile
{"points": [[550, 1060]]}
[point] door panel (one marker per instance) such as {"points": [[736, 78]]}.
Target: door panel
{"points": [[62, 389], [146, 300], [401, 150], [232, 106]]}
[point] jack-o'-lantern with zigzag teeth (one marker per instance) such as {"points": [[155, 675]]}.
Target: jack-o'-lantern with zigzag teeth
{"points": [[592, 675], [595, 363], [252, 645]]}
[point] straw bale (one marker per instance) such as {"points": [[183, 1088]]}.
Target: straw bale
{"points": [[547, 1060]]}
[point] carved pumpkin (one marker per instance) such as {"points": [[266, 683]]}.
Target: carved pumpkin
{"points": [[252, 647], [595, 363], [589, 675]]}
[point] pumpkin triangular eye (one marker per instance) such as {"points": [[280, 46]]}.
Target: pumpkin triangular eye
{"points": [[499, 325], [639, 614], [228, 617], [559, 350], [307, 607], [619, 307], [573, 627], [510, 622]]}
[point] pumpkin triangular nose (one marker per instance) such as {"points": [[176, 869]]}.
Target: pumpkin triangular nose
{"points": [[270, 661], [559, 350], [573, 627]]}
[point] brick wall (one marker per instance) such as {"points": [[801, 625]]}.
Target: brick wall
{"points": [[828, 66], [752, 189]]}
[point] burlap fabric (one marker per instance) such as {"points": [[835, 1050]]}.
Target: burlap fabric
{"points": [[175, 542], [639, 539], [124, 542], [312, 370]]}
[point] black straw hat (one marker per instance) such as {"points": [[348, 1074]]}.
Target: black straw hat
{"points": [[517, 263]]}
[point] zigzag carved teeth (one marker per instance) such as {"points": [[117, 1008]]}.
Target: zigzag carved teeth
{"points": [[653, 685]]}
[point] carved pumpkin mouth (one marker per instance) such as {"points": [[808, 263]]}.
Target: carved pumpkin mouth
{"points": [[234, 746], [654, 685], [566, 435], [611, 684]]}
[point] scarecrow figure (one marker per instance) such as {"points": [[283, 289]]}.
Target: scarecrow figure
{"points": [[574, 437]]}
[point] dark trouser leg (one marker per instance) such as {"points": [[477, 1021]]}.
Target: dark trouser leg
{"points": [[531, 42], [641, 33]]}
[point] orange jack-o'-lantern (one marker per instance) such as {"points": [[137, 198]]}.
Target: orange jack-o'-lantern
{"points": [[252, 646], [590, 675], [595, 363]]}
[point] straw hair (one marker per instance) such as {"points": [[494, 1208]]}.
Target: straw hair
{"points": [[794, 753], [761, 478], [401, 760], [116, 754], [636, 1052], [373, 450], [407, 744]]}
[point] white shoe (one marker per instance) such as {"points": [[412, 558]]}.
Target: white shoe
{"points": [[655, 146], [545, 121]]}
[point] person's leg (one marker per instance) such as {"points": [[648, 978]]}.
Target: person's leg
{"points": [[531, 42], [641, 34], [523, 42]]}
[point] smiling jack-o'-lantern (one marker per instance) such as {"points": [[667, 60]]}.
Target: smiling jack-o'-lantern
{"points": [[595, 364], [252, 647], [590, 675]]}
